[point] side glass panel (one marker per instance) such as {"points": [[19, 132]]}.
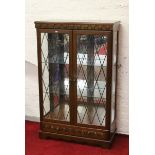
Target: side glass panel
{"points": [[91, 79], [113, 77], [55, 75]]}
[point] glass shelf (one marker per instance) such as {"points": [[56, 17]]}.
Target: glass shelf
{"points": [[99, 60], [97, 91]]}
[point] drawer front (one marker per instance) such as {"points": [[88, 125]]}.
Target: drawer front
{"points": [[75, 130]]}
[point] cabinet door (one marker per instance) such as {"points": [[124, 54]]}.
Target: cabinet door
{"points": [[55, 64], [91, 51]]}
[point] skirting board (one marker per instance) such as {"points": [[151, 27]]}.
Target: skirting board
{"points": [[37, 119], [32, 118]]}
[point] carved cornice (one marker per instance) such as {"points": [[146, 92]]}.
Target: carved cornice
{"points": [[74, 26]]}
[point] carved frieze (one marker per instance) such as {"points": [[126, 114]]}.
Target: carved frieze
{"points": [[82, 132], [74, 26]]}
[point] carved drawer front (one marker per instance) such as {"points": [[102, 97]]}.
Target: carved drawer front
{"points": [[74, 131]]}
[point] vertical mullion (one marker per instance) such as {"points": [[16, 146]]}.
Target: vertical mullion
{"points": [[73, 77], [71, 73], [40, 74]]}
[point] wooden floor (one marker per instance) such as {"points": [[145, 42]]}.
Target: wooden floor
{"points": [[87, 114]]}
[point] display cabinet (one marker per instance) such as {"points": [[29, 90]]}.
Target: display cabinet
{"points": [[77, 72]]}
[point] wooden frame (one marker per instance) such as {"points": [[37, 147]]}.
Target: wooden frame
{"points": [[72, 131], [108, 34]]}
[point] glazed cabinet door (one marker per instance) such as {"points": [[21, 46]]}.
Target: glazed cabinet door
{"points": [[91, 71], [55, 65]]}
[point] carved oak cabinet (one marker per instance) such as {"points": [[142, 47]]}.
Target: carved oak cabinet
{"points": [[77, 72]]}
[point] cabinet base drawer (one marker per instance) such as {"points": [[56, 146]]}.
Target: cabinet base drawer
{"points": [[71, 138], [75, 131]]}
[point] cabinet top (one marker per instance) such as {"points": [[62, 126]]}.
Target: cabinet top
{"points": [[78, 25]]}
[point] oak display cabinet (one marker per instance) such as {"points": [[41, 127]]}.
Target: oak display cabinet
{"points": [[77, 72]]}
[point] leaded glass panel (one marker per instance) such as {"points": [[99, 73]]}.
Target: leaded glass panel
{"points": [[91, 79], [55, 75]]}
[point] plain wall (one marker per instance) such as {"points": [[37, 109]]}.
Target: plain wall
{"points": [[77, 10]]}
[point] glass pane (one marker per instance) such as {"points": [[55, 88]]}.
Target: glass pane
{"points": [[91, 79], [55, 75], [113, 77]]}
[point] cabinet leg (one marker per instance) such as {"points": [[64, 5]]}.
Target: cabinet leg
{"points": [[42, 135]]}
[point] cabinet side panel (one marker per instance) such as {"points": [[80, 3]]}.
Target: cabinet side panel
{"points": [[109, 80], [114, 80]]}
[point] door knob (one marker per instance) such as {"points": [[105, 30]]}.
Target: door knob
{"points": [[74, 78]]}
